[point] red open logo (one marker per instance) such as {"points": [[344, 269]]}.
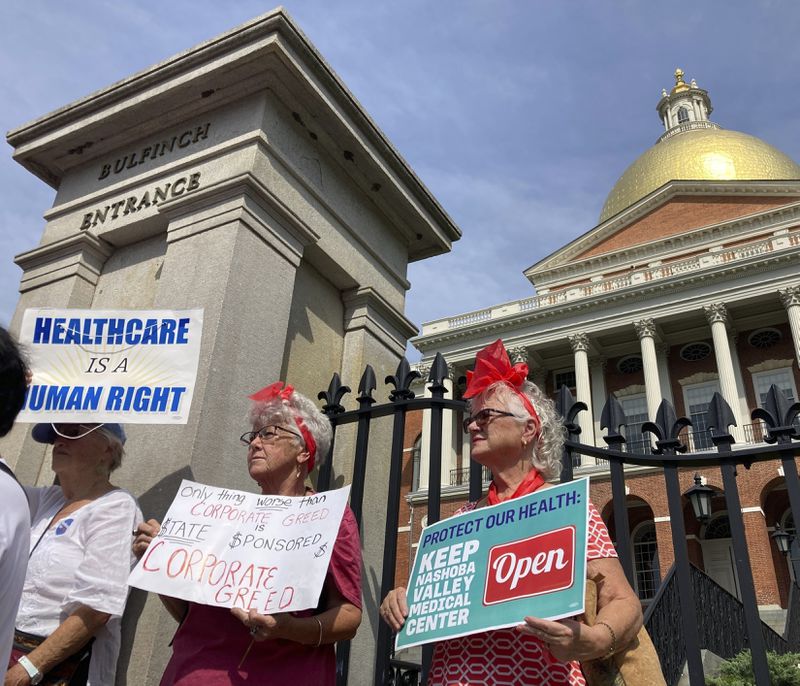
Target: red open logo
{"points": [[536, 565]]}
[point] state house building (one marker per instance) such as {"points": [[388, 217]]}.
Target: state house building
{"points": [[688, 285]]}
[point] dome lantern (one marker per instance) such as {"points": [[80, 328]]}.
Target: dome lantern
{"points": [[685, 107]]}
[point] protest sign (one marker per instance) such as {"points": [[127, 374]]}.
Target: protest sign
{"points": [[490, 567], [230, 548], [129, 366]]}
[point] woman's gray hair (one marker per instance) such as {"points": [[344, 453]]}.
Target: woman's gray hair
{"points": [[548, 446], [283, 412], [117, 449]]}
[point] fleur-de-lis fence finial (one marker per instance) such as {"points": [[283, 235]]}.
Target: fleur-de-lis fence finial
{"points": [[333, 396], [402, 380], [666, 429]]}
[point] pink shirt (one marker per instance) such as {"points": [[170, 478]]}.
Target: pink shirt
{"points": [[210, 642], [505, 657]]}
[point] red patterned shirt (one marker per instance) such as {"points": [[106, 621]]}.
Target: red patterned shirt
{"points": [[505, 657]]}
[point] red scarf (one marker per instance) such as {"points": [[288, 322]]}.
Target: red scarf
{"points": [[532, 481]]}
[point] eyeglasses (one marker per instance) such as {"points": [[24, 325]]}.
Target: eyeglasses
{"points": [[266, 434], [73, 432], [483, 417]]}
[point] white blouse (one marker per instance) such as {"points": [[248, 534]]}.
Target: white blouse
{"points": [[85, 559]]}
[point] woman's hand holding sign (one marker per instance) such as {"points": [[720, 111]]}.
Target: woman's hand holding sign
{"points": [[145, 533], [394, 608]]}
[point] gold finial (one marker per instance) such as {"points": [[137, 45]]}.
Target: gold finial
{"points": [[680, 84]]}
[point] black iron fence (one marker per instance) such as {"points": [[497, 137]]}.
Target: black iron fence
{"points": [[668, 454]]}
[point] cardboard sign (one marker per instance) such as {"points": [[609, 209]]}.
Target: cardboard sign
{"points": [[490, 567], [235, 549], [128, 366]]}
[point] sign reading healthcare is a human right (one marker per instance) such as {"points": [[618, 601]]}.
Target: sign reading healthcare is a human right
{"points": [[130, 366], [490, 567]]}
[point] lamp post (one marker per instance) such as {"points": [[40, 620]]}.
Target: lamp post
{"points": [[782, 538], [700, 498]]}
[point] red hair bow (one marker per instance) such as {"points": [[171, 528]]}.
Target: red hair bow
{"points": [[275, 391], [272, 392], [492, 364]]}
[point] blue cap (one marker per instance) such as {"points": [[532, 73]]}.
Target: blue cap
{"points": [[44, 433]]}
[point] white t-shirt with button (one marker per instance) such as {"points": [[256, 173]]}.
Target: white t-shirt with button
{"points": [[84, 559]]}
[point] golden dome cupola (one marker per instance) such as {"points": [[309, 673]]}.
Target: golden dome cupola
{"points": [[692, 148], [685, 108]]}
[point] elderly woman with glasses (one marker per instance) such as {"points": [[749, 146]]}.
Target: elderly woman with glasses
{"points": [[215, 646], [76, 585], [515, 433]]}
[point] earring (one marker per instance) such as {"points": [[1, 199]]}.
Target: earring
{"points": [[299, 472]]}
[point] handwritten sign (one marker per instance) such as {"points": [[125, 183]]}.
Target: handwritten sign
{"points": [[490, 567], [131, 366], [235, 549]]}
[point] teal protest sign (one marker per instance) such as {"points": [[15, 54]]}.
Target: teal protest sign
{"points": [[490, 567]]}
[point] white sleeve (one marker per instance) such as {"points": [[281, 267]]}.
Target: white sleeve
{"points": [[101, 579]]}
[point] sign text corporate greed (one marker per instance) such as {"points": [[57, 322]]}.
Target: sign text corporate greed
{"points": [[490, 567], [132, 366], [230, 548]]}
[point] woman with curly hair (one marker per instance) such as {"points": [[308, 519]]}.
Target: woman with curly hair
{"points": [[516, 433]]}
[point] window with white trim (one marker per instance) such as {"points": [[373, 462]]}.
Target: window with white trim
{"points": [[647, 573], [783, 379], [696, 399], [635, 408]]}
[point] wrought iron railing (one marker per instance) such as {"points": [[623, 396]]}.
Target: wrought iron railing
{"points": [[792, 632], [721, 625], [780, 434], [460, 476]]}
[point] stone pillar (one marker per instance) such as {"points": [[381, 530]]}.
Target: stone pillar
{"points": [[717, 315], [580, 347], [646, 330], [425, 444], [790, 297], [597, 367]]}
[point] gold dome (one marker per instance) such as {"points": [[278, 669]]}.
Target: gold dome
{"points": [[699, 155]]}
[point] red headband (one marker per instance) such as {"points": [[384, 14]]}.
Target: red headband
{"points": [[492, 365], [278, 390]]}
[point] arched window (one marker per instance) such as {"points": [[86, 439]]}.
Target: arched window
{"points": [[416, 455], [645, 561], [719, 527], [683, 115]]}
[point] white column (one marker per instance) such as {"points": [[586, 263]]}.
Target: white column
{"points": [[790, 297], [597, 369], [425, 443], [662, 354], [449, 455], [737, 375], [580, 347], [717, 315], [646, 330]]}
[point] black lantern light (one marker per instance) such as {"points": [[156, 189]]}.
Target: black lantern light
{"points": [[700, 497], [782, 538]]}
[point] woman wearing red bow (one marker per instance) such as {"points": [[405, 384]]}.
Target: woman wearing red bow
{"points": [[516, 433], [218, 647]]}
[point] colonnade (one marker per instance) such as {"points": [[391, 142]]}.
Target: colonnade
{"points": [[590, 383]]}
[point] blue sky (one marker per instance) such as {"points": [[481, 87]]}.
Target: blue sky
{"points": [[518, 115]]}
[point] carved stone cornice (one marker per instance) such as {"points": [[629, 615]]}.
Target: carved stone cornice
{"points": [[645, 328], [716, 313], [579, 342], [790, 296]]}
